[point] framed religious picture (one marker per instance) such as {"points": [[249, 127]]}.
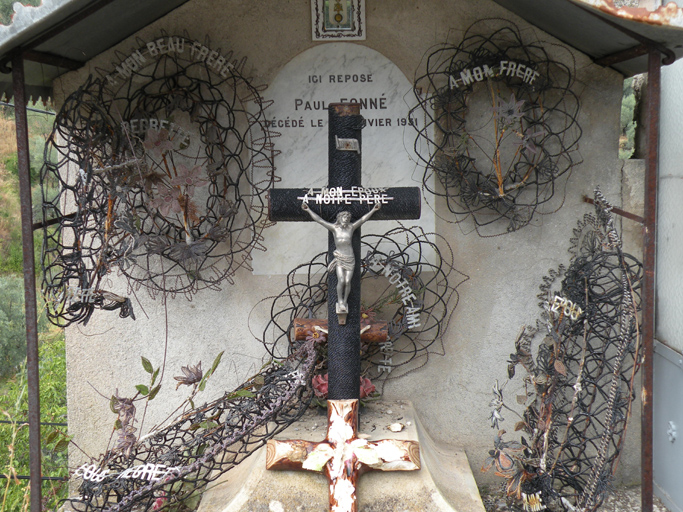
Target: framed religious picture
{"points": [[338, 19]]}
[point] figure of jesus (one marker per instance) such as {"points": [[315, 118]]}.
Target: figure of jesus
{"points": [[344, 259]]}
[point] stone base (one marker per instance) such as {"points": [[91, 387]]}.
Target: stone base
{"points": [[444, 484]]}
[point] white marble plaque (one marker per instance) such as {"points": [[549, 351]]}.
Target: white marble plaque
{"points": [[302, 91]]}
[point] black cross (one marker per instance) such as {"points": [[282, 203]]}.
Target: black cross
{"points": [[344, 173]]}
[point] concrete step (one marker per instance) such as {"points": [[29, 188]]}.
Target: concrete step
{"points": [[444, 484]]}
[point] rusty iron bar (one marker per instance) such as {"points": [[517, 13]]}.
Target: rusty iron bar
{"points": [[47, 223], [624, 55], [53, 60], [27, 477], [618, 211], [649, 248], [23, 164]]}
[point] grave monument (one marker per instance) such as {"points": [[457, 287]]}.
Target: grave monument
{"points": [[343, 456]]}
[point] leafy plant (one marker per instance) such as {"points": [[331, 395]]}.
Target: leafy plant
{"points": [[7, 10], [126, 410], [629, 104], [10, 221], [12, 325], [14, 444]]}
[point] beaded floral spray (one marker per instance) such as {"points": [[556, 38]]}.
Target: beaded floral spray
{"points": [[168, 466], [577, 388]]}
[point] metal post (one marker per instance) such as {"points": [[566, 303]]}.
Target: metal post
{"points": [[21, 102], [648, 298]]}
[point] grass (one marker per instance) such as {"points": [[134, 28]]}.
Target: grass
{"points": [[10, 215], [14, 446], [10, 221], [8, 139]]}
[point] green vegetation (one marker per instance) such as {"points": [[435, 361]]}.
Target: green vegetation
{"points": [[12, 325], [6, 10], [629, 102], [10, 219], [14, 445]]}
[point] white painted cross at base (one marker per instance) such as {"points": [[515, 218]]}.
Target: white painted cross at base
{"points": [[343, 456]]}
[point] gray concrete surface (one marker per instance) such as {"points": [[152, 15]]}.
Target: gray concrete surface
{"points": [[444, 483], [622, 499]]}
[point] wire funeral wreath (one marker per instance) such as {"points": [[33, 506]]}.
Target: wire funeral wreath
{"points": [[578, 367], [408, 280], [160, 169], [169, 468], [500, 126]]}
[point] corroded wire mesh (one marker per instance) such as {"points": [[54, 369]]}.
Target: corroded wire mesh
{"points": [[160, 175], [169, 468], [500, 126], [394, 265], [578, 388]]}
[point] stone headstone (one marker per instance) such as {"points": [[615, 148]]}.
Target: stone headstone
{"points": [[302, 91]]}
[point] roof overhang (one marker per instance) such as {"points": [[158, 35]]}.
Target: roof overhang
{"points": [[609, 31], [62, 35]]}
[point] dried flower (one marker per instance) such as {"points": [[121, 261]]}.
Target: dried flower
{"points": [[166, 202], [157, 142], [192, 375], [316, 336], [218, 232], [496, 404], [526, 141], [367, 388], [504, 457], [227, 209], [156, 244], [320, 386], [124, 407], [188, 178], [367, 315], [508, 112], [183, 252], [126, 440]]}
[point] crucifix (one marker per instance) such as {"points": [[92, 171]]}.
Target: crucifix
{"points": [[342, 456]]}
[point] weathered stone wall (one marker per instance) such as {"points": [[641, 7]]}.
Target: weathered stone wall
{"points": [[452, 393]]}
